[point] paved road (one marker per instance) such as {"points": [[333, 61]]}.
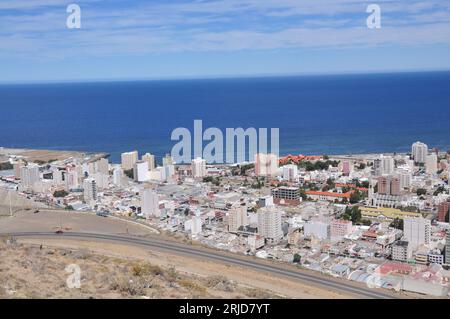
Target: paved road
{"points": [[183, 249]]}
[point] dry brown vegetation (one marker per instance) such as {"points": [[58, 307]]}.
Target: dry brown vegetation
{"points": [[34, 271]]}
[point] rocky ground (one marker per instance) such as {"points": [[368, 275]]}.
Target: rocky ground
{"points": [[35, 271]]}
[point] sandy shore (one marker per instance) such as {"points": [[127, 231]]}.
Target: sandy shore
{"points": [[34, 155]]}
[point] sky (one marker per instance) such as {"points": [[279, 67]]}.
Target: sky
{"points": [[159, 39]]}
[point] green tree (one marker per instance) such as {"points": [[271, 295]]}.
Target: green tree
{"points": [[303, 193], [421, 191], [129, 173], [366, 222], [353, 214], [397, 223], [62, 193], [330, 183], [6, 166], [355, 197], [297, 258]]}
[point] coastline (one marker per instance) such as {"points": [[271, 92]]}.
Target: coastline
{"points": [[44, 155]]}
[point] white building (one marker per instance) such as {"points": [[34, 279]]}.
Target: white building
{"points": [[140, 171], [198, 167], [194, 225], [431, 164], [29, 175], [401, 251], [89, 190], [266, 164], [129, 159], [318, 229], [417, 231], [197, 224], [102, 166], [340, 228], [419, 152], [237, 217], [169, 172], [57, 176], [150, 158], [71, 180], [149, 203], [269, 224], [101, 180], [117, 176], [387, 165], [290, 173], [405, 178], [255, 242], [265, 201], [167, 160], [17, 166]]}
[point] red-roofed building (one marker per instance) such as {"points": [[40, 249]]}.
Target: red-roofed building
{"points": [[330, 196], [396, 268], [298, 158]]}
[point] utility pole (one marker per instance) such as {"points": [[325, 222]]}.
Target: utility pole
{"points": [[10, 204]]}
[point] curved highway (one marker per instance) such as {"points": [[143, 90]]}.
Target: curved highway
{"points": [[183, 249]]}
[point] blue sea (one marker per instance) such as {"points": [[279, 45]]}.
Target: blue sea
{"points": [[335, 114]]}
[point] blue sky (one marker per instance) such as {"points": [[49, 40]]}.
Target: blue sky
{"points": [[137, 39]]}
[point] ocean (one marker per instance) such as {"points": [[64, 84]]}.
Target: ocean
{"points": [[334, 114]]}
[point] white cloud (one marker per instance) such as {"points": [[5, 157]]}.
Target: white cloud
{"points": [[38, 30]]}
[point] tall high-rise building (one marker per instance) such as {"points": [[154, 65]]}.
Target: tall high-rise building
{"points": [[405, 179], [347, 167], [169, 173], [102, 166], [198, 167], [417, 231], [149, 203], [129, 159], [384, 185], [117, 176], [269, 224], [57, 176], [167, 160], [395, 186], [376, 170], [140, 171], [150, 158], [17, 167], [91, 168], [29, 175], [443, 211], [101, 180], [71, 179], [266, 164], [387, 165], [89, 190], [431, 164], [447, 248], [290, 173], [389, 185], [237, 217], [419, 152]]}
